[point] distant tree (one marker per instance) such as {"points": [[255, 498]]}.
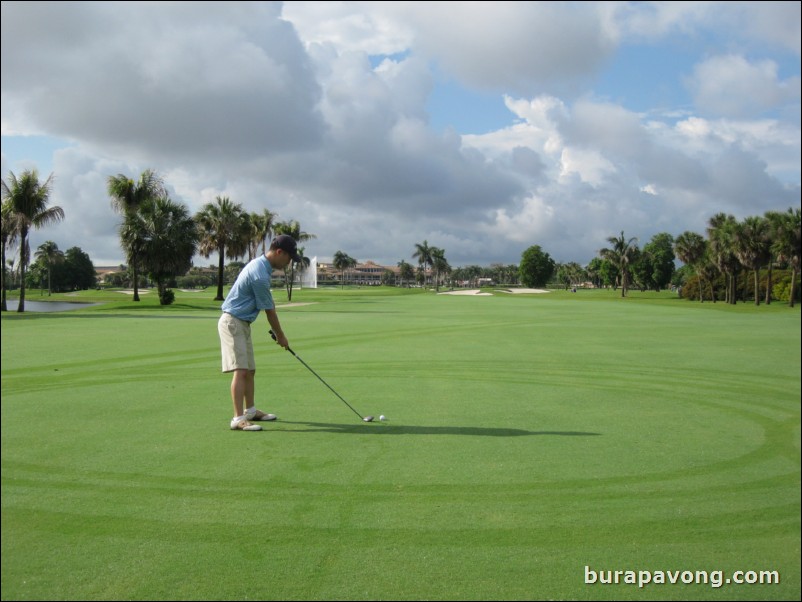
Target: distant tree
{"points": [[691, 248], [784, 237], [621, 255], [658, 260], [721, 233], [302, 265], [127, 197], [292, 228], [536, 267], [609, 273], [439, 265], [50, 255], [36, 275], [9, 237], [343, 261], [474, 272], [504, 274], [261, 230], [406, 272], [28, 199], [78, 271], [570, 274], [169, 241], [423, 253], [788, 245], [752, 246], [388, 278], [223, 226], [593, 270]]}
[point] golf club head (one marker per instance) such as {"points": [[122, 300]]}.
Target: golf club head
{"points": [[368, 419]]}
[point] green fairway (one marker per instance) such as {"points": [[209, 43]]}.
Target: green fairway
{"points": [[528, 437]]}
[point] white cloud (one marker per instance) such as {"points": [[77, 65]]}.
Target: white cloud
{"points": [[733, 87], [532, 221], [773, 24], [589, 165]]}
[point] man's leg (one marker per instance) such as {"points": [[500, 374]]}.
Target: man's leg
{"points": [[242, 391]]}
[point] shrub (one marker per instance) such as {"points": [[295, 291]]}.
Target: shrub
{"points": [[166, 297]]}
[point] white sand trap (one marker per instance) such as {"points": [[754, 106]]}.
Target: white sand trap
{"points": [[130, 291], [474, 292], [517, 291]]}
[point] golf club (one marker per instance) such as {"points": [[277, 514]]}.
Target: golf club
{"points": [[364, 418]]}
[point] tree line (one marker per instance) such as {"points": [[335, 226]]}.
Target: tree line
{"points": [[714, 264], [158, 235], [731, 249], [159, 238]]}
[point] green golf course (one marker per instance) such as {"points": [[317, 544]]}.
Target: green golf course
{"points": [[536, 447]]}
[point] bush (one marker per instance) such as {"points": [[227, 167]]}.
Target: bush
{"points": [[166, 297], [782, 287]]}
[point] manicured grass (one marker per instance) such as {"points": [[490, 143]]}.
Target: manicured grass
{"points": [[529, 436]]}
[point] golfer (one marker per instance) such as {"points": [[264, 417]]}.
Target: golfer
{"points": [[246, 299]]}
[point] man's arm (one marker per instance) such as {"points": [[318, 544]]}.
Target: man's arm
{"points": [[275, 325]]}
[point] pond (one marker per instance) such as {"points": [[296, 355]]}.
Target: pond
{"points": [[46, 306]]}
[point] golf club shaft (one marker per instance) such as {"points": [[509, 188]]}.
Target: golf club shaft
{"points": [[308, 367]]}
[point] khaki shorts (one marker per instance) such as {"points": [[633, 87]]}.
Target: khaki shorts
{"points": [[235, 344]]}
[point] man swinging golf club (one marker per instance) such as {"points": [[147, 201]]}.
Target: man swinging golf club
{"points": [[249, 296]]}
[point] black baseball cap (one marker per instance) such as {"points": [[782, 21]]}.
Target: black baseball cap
{"points": [[287, 243]]}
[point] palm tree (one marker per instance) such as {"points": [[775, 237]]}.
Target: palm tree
{"points": [[776, 224], [439, 265], [292, 228], [720, 235], [691, 248], [127, 197], [621, 255], [751, 246], [28, 199], [222, 226], [49, 253], [9, 237], [423, 253], [787, 245], [254, 223], [303, 265], [168, 236], [406, 272], [343, 261], [261, 230]]}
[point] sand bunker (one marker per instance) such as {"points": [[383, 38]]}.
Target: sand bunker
{"points": [[478, 293], [475, 292]]}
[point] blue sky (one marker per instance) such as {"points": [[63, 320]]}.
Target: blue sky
{"points": [[378, 125]]}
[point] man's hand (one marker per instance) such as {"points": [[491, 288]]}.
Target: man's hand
{"points": [[280, 339]]}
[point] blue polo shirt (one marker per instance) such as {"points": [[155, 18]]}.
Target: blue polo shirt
{"points": [[250, 294]]}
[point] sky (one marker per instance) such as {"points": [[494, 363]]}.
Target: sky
{"points": [[481, 128]]}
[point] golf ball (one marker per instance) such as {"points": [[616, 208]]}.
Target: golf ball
{"points": [[382, 417]]}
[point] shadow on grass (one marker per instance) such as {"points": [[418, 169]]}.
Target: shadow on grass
{"points": [[388, 429]]}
